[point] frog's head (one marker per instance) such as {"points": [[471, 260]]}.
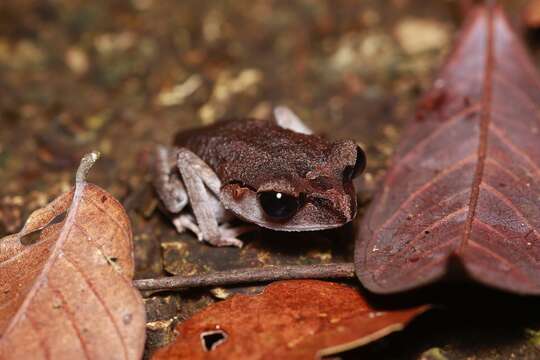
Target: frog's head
{"points": [[317, 197]]}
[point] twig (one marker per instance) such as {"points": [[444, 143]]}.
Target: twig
{"points": [[248, 275]]}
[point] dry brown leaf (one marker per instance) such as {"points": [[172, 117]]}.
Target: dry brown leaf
{"points": [[68, 295], [298, 319]]}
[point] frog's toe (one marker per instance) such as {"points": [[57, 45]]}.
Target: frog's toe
{"points": [[185, 222], [228, 241]]}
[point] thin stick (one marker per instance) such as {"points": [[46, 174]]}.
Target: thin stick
{"points": [[248, 275]]}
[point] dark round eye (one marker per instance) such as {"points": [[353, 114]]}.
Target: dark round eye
{"points": [[351, 172], [278, 205]]}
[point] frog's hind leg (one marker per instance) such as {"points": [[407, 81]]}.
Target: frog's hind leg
{"points": [[167, 181], [198, 178], [233, 232], [287, 119], [184, 222], [187, 221]]}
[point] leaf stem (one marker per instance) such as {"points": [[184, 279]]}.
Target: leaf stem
{"points": [[87, 162], [248, 275]]}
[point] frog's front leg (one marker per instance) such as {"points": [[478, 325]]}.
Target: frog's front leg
{"points": [[198, 178]]}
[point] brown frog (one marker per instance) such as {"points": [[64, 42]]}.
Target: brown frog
{"points": [[271, 173]]}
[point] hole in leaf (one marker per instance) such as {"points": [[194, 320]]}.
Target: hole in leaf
{"points": [[34, 236], [212, 339], [58, 218], [31, 238]]}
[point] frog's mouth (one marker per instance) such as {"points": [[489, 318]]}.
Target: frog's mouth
{"points": [[314, 214], [300, 228]]}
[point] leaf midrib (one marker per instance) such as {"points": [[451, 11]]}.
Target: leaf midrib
{"points": [[484, 129]]}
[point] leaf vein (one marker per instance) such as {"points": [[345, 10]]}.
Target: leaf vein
{"points": [[501, 258], [419, 234], [500, 135], [101, 302], [71, 319], [502, 197], [423, 188]]}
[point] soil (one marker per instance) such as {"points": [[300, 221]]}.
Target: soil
{"points": [[122, 76]]}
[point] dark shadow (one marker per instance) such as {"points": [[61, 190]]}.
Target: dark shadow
{"points": [[467, 319]]}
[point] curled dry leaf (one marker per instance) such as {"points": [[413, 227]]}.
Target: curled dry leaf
{"points": [[464, 187], [297, 319], [68, 295]]}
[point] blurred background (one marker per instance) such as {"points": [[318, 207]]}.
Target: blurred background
{"points": [[122, 76]]}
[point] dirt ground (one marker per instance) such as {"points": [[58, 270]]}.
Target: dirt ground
{"points": [[122, 76]]}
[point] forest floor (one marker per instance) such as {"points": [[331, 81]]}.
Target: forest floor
{"points": [[120, 77]]}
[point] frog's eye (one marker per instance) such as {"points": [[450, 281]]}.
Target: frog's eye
{"points": [[278, 205], [351, 172]]}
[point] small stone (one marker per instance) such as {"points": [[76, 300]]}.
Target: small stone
{"points": [[179, 93], [208, 114], [325, 256], [417, 36], [212, 26], [433, 354], [175, 245], [96, 121], [114, 42], [220, 293], [77, 60], [373, 52], [262, 110], [534, 337], [159, 325]]}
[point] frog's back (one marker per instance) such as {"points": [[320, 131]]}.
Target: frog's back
{"points": [[247, 150]]}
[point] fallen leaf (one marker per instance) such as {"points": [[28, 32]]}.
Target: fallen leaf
{"points": [[297, 319], [464, 187], [68, 295]]}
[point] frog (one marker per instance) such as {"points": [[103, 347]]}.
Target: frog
{"points": [[272, 173]]}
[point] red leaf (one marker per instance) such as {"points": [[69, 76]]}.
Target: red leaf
{"points": [[465, 181], [298, 319]]}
